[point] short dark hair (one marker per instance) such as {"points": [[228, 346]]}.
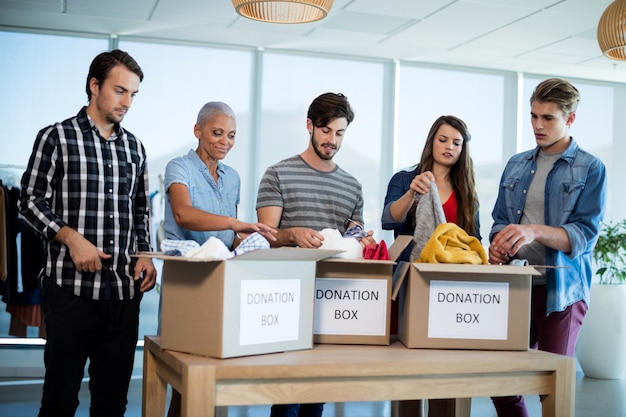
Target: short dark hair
{"points": [[104, 62], [328, 107]]}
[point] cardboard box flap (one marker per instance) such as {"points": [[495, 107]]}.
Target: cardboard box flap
{"points": [[360, 261], [162, 255], [280, 254], [287, 254], [403, 268], [398, 246], [478, 269], [398, 278]]}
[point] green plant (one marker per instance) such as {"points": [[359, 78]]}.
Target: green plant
{"points": [[609, 254]]}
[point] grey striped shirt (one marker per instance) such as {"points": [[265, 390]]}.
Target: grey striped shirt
{"points": [[311, 198]]}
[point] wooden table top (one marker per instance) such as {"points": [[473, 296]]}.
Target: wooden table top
{"points": [[326, 360]]}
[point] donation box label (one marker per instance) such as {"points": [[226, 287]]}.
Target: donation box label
{"points": [[468, 310], [350, 306], [270, 311]]}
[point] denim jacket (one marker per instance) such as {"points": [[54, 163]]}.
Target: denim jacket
{"points": [[575, 199], [398, 185]]}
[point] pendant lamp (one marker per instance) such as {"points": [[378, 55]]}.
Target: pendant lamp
{"points": [[283, 11], [612, 31]]}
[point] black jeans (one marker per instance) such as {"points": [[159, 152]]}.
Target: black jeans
{"points": [[105, 332]]}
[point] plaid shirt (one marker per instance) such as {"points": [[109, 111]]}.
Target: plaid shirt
{"points": [[97, 187]]}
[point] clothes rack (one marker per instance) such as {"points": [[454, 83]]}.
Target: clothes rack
{"points": [[22, 256]]}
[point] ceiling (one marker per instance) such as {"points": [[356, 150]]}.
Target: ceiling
{"points": [[534, 36]]}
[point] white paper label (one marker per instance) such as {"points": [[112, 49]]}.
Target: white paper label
{"points": [[270, 311], [350, 306], [468, 310]]}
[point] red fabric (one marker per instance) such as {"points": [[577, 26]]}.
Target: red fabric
{"points": [[449, 208], [376, 251]]}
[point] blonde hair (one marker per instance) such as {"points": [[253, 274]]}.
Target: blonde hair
{"points": [[558, 91]]}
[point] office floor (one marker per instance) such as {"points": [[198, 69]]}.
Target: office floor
{"points": [[594, 397]]}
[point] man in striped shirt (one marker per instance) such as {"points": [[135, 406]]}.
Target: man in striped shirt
{"points": [[85, 190], [306, 193]]}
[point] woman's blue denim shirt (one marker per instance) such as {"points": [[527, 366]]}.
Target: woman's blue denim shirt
{"points": [[575, 199], [221, 197], [399, 184]]}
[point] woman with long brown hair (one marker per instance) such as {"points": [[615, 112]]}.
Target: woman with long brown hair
{"points": [[445, 163]]}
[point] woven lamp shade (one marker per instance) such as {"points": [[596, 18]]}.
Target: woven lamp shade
{"points": [[612, 31], [283, 11]]}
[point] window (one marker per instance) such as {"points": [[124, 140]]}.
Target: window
{"points": [[478, 99], [178, 81], [43, 86], [593, 127], [593, 130], [40, 87], [291, 83]]}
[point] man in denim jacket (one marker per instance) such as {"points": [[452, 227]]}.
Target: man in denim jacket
{"points": [[549, 209]]}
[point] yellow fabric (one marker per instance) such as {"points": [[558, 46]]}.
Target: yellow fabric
{"points": [[449, 244]]}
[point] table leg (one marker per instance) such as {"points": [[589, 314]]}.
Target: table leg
{"points": [[463, 407], [198, 391], [563, 397], [154, 387]]}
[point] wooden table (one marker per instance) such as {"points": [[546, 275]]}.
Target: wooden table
{"points": [[347, 373]]}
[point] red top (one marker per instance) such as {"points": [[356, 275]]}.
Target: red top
{"points": [[449, 208]]}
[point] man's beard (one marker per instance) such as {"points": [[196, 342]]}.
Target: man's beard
{"points": [[316, 148], [113, 118]]}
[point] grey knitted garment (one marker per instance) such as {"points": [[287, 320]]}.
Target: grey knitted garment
{"points": [[428, 215]]}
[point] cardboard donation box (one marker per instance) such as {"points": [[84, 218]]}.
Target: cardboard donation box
{"points": [[461, 306], [353, 299], [258, 302]]}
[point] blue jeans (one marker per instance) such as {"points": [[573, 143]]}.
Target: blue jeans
{"points": [[297, 410]]}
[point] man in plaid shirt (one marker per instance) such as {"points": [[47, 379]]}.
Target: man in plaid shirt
{"points": [[85, 190]]}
